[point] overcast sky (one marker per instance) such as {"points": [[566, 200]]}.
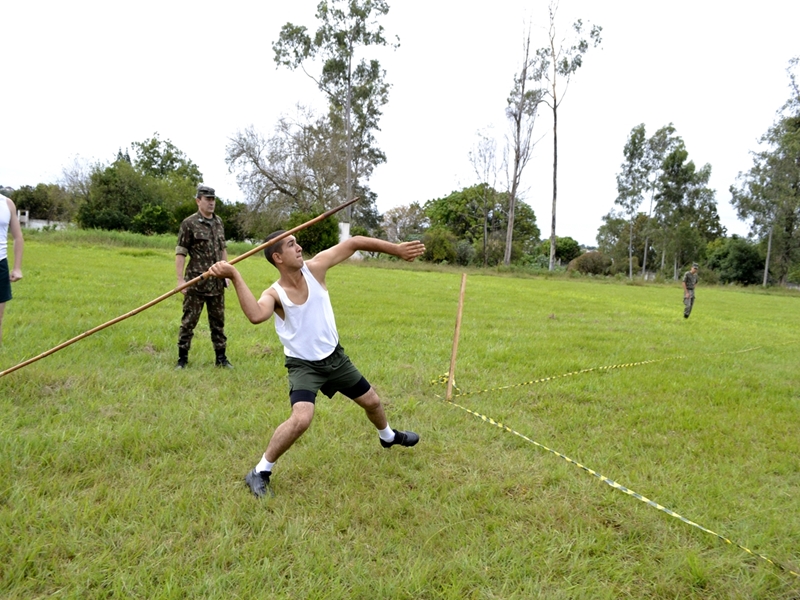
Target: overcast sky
{"points": [[84, 79]]}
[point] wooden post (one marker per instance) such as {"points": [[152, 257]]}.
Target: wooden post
{"points": [[452, 374]]}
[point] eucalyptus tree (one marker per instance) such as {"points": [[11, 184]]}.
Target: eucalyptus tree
{"points": [[769, 193], [632, 182], [686, 209], [659, 145], [559, 61], [642, 174], [355, 87], [521, 111]]}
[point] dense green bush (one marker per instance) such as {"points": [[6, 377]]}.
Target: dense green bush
{"points": [[566, 249], [591, 263], [153, 218], [736, 261], [465, 253], [440, 245], [91, 217]]}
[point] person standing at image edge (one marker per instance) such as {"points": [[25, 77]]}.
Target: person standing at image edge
{"points": [[689, 283], [8, 223], [202, 237]]}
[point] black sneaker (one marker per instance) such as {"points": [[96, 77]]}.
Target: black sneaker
{"points": [[223, 363], [259, 483], [404, 438], [182, 362]]}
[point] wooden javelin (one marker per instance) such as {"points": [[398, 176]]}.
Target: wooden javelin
{"points": [[189, 283]]}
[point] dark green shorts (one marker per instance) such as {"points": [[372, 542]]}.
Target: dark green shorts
{"points": [[334, 373], [5, 282]]}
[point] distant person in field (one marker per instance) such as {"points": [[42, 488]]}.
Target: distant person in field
{"points": [[8, 223], [305, 325], [689, 283], [202, 237]]}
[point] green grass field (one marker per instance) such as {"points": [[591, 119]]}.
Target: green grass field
{"points": [[122, 478]]}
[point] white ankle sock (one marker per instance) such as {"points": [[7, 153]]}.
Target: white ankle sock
{"points": [[387, 435], [264, 465]]}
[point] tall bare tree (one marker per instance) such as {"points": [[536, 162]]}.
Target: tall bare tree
{"points": [[484, 161], [76, 178], [523, 105], [401, 222], [297, 169], [559, 61]]}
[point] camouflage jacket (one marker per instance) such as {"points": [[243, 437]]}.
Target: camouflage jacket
{"points": [[690, 279], [203, 240]]}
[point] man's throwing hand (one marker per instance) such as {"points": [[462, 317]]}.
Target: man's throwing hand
{"points": [[222, 270], [411, 250]]}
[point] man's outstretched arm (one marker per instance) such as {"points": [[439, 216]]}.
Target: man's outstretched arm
{"points": [[344, 250]]}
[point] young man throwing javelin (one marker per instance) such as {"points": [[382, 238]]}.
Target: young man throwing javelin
{"points": [[305, 325]]}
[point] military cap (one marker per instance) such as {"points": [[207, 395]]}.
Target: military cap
{"points": [[205, 191]]}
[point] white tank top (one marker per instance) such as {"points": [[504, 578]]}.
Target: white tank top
{"points": [[5, 220], [308, 330]]}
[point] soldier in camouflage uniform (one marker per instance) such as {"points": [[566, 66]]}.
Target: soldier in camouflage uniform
{"points": [[202, 238], [689, 281]]}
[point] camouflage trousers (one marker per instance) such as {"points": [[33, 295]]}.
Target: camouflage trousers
{"points": [[192, 307], [688, 303]]}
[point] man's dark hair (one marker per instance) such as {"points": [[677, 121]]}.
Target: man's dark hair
{"points": [[276, 247]]}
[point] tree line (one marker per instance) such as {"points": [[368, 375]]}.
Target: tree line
{"points": [[150, 192], [680, 224], [312, 162], [665, 214]]}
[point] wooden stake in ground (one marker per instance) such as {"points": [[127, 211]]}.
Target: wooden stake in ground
{"points": [[452, 375], [189, 283]]}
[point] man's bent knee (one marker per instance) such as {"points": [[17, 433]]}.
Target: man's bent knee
{"points": [[368, 401], [302, 415]]}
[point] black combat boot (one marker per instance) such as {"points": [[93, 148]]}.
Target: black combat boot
{"points": [[183, 358], [222, 360]]}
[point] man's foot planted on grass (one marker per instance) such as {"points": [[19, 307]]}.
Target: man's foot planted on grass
{"points": [[400, 438], [259, 484]]}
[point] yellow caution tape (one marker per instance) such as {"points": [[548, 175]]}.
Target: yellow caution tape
{"points": [[443, 380], [624, 489]]}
